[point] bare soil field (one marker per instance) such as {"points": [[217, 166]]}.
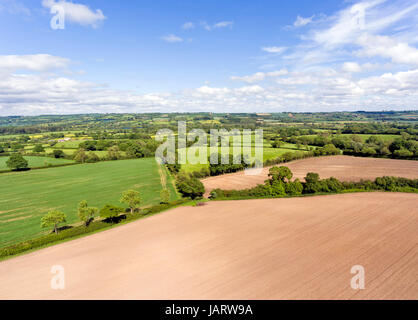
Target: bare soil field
{"points": [[296, 248], [344, 168]]}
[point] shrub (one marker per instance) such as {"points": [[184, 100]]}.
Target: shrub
{"points": [[294, 188], [111, 212], [190, 187], [38, 148]]}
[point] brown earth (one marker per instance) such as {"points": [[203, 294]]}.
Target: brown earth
{"points": [[344, 168], [296, 248]]}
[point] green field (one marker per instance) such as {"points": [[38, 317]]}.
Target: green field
{"points": [[27, 196], [35, 162], [268, 153]]}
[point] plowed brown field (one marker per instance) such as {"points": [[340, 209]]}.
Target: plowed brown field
{"points": [[299, 248], [344, 168]]}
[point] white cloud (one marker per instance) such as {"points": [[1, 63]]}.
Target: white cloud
{"points": [[77, 13], [351, 67], [300, 21], [387, 47], [172, 38], [36, 62], [277, 50], [188, 25], [259, 76], [14, 7], [218, 25], [223, 24]]}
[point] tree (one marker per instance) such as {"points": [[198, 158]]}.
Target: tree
{"points": [[277, 143], [110, 212], [165, 196], [280, 173], [86, 214], [38, 148], [190, 187], [132, 198], [277, 188], [53, 218], [16, 162], [80, 156], [113, 153], [312, 184], [294, 188], [58, 154], [92, 158]]}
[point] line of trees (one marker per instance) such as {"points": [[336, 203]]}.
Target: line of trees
{"points": [[280, 184], [403, 147], [86, 214]]}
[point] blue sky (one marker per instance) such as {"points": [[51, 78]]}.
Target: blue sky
{"points": [[208, 55]]}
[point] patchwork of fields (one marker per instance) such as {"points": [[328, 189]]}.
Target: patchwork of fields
{"points": [[27, 196]]}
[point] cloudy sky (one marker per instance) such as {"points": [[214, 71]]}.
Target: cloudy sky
{"points": [[207, 55]]}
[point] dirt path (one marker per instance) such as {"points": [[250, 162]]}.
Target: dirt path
{"points": [[344, 168], [300, 248]]}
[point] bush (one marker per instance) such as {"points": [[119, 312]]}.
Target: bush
{"points": [[38, 148], [111, 212], [190, 187]]}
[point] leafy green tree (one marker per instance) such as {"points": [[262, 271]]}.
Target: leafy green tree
{"points": [[58, 154], [277, 188], [403, 153], [277, 144], [294, 188], [92, 158], [80, 156], [280, 173], [132, 198], [190, 187], [16, 162], [53, 218], [312, 184], [38, 148], [113, 153], [86, 214]]}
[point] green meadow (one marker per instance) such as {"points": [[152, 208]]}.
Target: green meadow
{"points": [[36, 162], [27, 196], [268, 153]]}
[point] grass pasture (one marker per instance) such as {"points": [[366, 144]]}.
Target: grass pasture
{"points": [[268, 153], [27, 196], [36, 162]]}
